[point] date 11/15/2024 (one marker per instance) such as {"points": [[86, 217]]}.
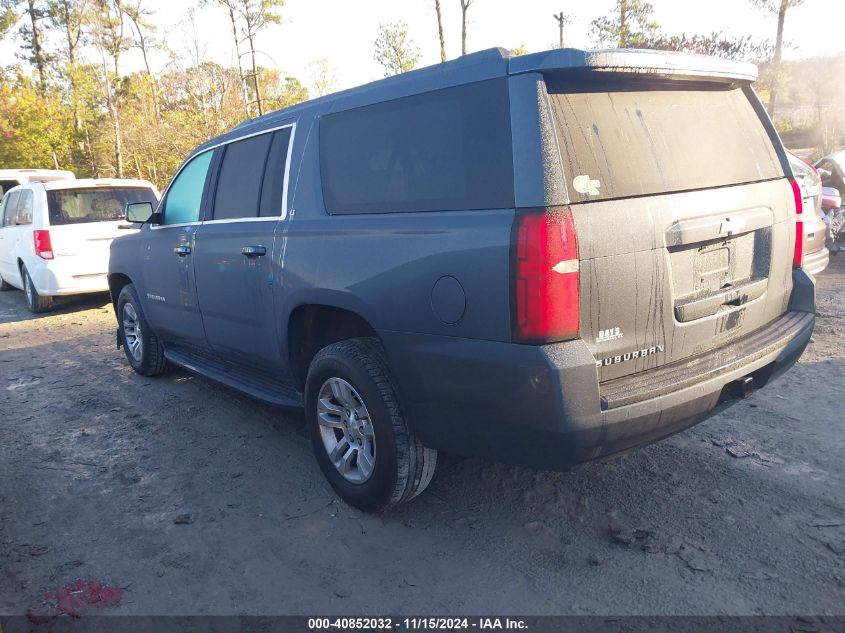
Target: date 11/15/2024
{"points": [[430, 624]]}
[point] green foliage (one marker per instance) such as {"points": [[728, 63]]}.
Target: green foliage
{"points": [[629, 24], [34, 131], [8, 16], [394, 49], [717, 44]]}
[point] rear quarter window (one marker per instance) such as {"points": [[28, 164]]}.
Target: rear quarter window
{"points": [[620, 139], [444, 150]]}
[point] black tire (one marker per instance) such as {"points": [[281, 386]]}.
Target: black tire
{"points": [[150, 360], [403, 467], [35, 301], [4, 287]]}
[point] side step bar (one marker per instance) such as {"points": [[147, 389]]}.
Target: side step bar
{"points": [[238, 378]]}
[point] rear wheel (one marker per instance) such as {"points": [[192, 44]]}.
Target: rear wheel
{"points": [[362, 443], [35, 301], [144, 350]]}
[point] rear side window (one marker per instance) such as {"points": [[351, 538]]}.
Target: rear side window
{"points": [[5, 185], [241, 174], [24, 212], [619, 140], [444, 150], [95, 204], [10, 208]]}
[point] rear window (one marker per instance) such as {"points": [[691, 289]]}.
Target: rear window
{"points": [[100, 204], [444, 150], [619, 140]]}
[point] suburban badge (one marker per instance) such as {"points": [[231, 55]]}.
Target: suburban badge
{"points": [[622, 358]]}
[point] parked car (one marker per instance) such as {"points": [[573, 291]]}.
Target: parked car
{"points": [[816, 231], [544, 260], [13, 177], [55, 235], [832, 170], [834, 216]]}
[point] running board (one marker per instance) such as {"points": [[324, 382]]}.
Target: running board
{"points": [[245, 380]]}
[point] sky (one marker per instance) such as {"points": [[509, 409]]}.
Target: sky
{"points": [[343, 31]]}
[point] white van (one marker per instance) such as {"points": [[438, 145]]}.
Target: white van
{"points": [[55, 236], [13, 177]]}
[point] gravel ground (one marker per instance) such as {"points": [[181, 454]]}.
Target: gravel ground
{"points": [[198, 500]]}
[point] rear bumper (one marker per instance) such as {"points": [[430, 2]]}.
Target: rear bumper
{"points": [[816, 262], [543, 407], [51, 278]]}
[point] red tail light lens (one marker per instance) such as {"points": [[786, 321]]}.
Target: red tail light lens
{"points": [[545, 278], [43, 246], [798, 256]]}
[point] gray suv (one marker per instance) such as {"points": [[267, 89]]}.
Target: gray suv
{"points": [[543, 260]]}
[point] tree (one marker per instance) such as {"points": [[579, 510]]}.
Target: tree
{"points": [[35, 132], [394, 49], [628, 26], [231, 7], [779, 7], [282, 91], [30, 32], [256, 15], [465, 5], [8, 16], [143, 40], [322, 76], [109, 37], [716, 44], [66, 17], [519, 50], [440, 30]]}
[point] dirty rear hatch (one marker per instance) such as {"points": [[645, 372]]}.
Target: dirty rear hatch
{"points": [[685, 219]]}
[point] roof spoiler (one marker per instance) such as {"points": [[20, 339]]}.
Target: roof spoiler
{"points": [[635, 61]]}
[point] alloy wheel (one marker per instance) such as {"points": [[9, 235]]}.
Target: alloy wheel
{"points": [[347, 430], [132, 332]]}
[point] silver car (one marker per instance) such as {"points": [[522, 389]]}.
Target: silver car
{"points": [[816, 255]]}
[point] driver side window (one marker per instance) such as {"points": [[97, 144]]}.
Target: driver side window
{"points": [[184, 199]]}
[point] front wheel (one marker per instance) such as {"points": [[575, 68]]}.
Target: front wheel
{"points": [[363, 444], [144, 350], [34, 301]]}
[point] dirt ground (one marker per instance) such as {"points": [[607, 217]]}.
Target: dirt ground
{"points": [[743, 514]]}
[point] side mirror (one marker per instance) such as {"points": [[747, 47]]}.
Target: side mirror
{"points": [[141, 212]]}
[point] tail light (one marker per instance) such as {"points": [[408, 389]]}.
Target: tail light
{"points": [[798, 257], [545, 277], [43, 246]]}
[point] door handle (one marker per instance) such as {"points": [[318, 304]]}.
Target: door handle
{"points": [[181, 251], [253, 251]]}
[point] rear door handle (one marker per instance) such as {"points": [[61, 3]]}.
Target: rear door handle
{"points": [[253, 251], [181, 251]]}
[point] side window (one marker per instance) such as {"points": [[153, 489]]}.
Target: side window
{"points": [[273, 190], [444, 150], [10, 208], [238, 192], [184, 198], [24, 211]]}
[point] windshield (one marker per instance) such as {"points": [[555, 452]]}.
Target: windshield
{"points": [[100, 204]]}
